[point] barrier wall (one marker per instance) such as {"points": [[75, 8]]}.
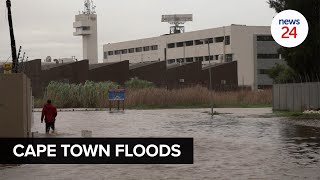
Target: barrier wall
{"points": [[15, 105], [224, 76], [150, 71], [296, 97], [115, 72]]}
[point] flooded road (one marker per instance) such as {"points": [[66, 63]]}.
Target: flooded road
{"points": [[238, 144]]}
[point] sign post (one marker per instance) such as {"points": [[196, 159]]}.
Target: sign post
{"points": [[116, 95]]}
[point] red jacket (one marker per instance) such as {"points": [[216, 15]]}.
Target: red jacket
{"points": [[49, 113]]}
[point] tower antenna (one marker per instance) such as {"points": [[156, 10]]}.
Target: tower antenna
{"points": [[177, 20], [89, 8]]}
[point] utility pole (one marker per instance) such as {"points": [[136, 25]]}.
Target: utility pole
{"points": [[210, 78], [13, 42], [210, 74]]}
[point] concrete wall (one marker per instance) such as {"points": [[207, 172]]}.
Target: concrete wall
{"points": [[33, 71], [15, 105], [296, 97], [115, 72]]}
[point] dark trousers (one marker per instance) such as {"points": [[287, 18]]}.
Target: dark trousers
{"points": [[49, 125]]}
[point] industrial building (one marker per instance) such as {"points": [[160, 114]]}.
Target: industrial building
{"points": [[251, 46]]}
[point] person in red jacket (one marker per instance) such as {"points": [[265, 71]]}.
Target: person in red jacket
{"points": [[49, 114]]}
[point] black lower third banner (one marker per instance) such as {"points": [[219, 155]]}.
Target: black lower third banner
{"points": [[96, 151]]}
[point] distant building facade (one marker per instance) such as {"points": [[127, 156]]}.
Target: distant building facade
{"points": [[251, 46]]}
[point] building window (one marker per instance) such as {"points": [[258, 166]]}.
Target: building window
{"points": [[216, 57], [229, 57], [124, 51], [190, 59], [227, 40], [105, 55], [180, 44], [265, 38], [199, 59], [154, 47], [210, 40], [139, 49], [131, 50], [263, 71], [171, 45], [189, 43], [86, 28], [171, 61], [180, 60], [198, 42], [110, 53], [117, 52], [146, 48], [207, 58], [268, 56], [219, 39]]}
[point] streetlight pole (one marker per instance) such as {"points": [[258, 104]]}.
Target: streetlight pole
{"points": [[13, 42]]}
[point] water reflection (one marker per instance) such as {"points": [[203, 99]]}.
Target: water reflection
{"points": [[301, 141]]}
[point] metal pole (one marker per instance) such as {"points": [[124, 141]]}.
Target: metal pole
{"points": [[210, 78], [13, 42]]}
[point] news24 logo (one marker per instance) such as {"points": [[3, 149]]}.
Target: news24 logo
{"points": [[289, 28]]}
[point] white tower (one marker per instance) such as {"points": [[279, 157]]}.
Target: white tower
{"points": [[86, 26]]}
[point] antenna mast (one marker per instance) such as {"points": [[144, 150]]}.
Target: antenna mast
{"points": [[177, 20], [89, 8]]}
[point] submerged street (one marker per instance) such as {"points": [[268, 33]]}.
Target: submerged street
{"points": [[237, 144]]}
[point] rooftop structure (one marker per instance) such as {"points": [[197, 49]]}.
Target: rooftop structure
{"points": [[86, 26]]}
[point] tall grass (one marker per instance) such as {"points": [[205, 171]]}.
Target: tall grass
{"points": [[90, 94], [94, 95], [196, 97]]}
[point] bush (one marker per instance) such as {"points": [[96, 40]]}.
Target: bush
{"points": [[136, 83]]}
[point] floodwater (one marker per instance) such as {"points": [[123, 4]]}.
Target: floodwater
{"points": [[240, 145]]}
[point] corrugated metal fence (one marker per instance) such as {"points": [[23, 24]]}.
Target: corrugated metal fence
{"points": [[296, 97]]}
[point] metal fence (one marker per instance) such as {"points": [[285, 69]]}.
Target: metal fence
{"points": [[296, 97]]}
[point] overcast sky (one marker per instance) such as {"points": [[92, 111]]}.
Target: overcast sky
{"points": [[44, 27]]}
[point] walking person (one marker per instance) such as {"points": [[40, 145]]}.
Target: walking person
{"points": [[49, 114]]}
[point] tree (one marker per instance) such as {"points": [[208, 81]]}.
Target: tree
{"points": [[282, 74], [304, 59]]}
